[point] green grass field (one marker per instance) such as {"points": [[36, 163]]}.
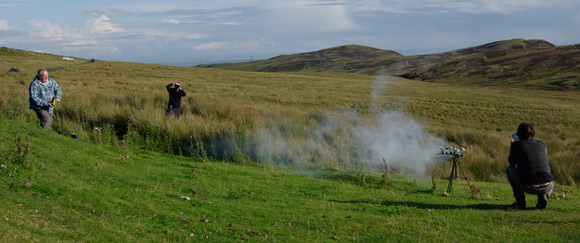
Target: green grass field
{"points": [[69, 190], [306, 119], [272, 157]]}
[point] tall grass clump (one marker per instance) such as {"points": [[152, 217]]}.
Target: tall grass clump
{"points": [[18, 156], [566, 169]]}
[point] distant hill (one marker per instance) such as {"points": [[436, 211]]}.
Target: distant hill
{"points": [[533, 63], [347, 58]]}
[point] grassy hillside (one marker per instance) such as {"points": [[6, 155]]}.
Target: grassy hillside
{"points": [[332, 59], [535, 64], [62, 189], [341, 121]]}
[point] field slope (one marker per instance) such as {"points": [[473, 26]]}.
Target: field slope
{"points": [[68, 190], [305, 119]]}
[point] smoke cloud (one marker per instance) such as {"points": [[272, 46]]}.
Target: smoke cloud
{"points": [[348, 140], [398, 138]]}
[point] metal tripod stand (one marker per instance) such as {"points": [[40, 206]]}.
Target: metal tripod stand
{"points": [[453, 175], [456, 153]]}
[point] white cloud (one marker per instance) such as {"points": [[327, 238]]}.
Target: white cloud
{"points": [[194, 36], [75, 37], [108, 12], [171, 34], [231, 23], [395, 6], [489, 6], [103, 25], [99, 25], [451, 6], [4, 25], [54, 31], [233, 46], [210, 46], [65, 35], [171, 21], [308, 15]]}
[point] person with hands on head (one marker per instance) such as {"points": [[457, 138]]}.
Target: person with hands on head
{"points": [[175, 94], [44, 94], [529, 169]]}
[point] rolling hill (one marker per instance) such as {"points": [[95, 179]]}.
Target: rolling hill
{"points": [[531, 63]]}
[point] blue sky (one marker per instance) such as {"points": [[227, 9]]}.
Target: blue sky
{"points": [[194, 32]]}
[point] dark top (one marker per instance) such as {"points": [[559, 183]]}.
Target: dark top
{"points": [[531, 158], [174, 96]]}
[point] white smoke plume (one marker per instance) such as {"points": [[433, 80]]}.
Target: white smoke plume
{"points": [[348, 141], [398, 138], [402, 142]]}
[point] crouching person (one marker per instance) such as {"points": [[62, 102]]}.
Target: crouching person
{"points": [[529, 169]]}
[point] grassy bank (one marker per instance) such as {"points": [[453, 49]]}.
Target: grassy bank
{"points": [[68, 190], [294, 119]]}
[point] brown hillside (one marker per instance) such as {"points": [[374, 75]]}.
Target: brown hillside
{"points": [[533, 63]]}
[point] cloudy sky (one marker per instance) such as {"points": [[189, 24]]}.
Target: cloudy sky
{"points": [[205, 31]]}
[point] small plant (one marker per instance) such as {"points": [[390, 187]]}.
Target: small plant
{"points": [[13, 111], [233, 195], [434, 182], [386, 173], [362, 178], [410, 189], [123, 145], [201, 151], [20, 152], [560, 193], [475, 191], [196, 148]]}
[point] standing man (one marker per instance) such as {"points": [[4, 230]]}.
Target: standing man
{"points": [[175, 94], [529, 169], [44, 94]]}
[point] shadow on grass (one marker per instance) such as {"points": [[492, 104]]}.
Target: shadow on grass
{"points": [[480, 206]]}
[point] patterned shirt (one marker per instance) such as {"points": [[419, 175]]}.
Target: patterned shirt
{"points": [[43, 93]]}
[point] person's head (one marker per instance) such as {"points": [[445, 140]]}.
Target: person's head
{"points": [[42, 75], [177, 84], [526, 131]]}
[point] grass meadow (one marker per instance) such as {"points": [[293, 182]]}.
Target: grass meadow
{"points": [[296, 120], [55, 188]]}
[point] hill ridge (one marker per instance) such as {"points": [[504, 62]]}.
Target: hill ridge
{"points": [[533, 63]]}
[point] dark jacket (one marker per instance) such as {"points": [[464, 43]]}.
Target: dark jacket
{"points": [[531, 158], [174, 96]]}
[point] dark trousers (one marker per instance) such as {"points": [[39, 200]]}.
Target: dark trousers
{"points": [[513, 176], [44, 117], [174, 111]]}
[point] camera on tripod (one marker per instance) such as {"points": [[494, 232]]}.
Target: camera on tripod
{"points": [[455, 153], [460, 152]]}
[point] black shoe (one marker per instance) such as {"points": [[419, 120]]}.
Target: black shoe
{"points": [[542, 201]]}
